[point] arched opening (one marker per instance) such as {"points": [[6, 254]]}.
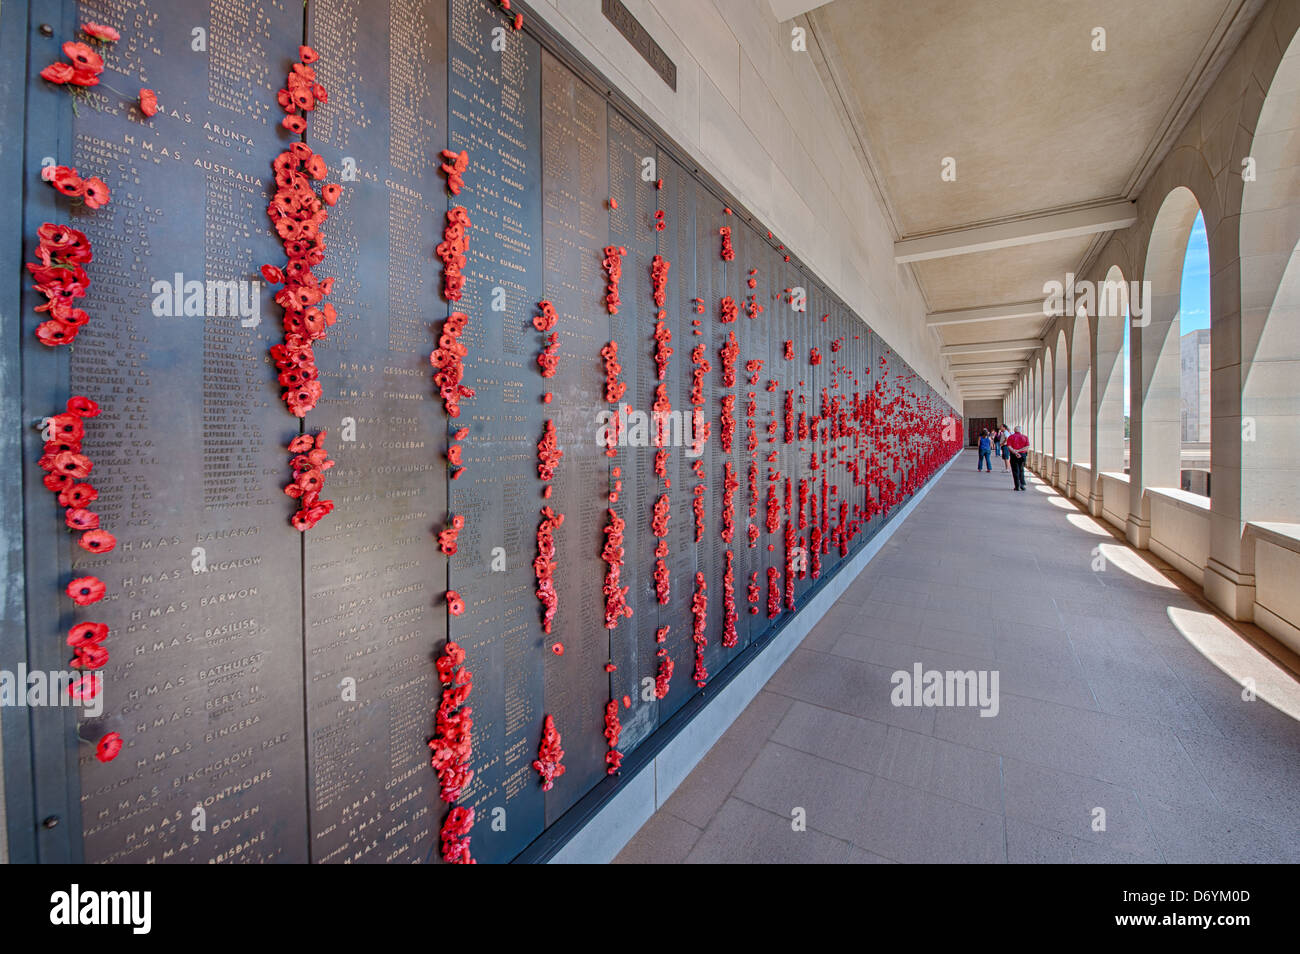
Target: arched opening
{"points": [[1109, 441], [1061, 410], [1268, 424], [1194, 362], [1048, 417], [1081, 391], [1155, 434]]}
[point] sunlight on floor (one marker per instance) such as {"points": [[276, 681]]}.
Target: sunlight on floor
{"points": [[1063, 504], [1238, 659], [1081, 522], [1121, 557]]}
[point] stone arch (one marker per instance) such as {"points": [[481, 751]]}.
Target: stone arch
{"points": [[1269, 420], [1107, 444]]}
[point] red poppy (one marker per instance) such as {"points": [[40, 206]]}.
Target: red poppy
{"points": [[301, 444], [455, 605], [295, 124], [74, 494], [85, 590], [65, 179], [90, 657], [66, 427], [85, 77], [57, 73], [83, 57], [108, 747], [97, 541], [101, 32], [78, 518], [558, 649], [71, 464], [56, 482], [307, 54], [95, 193], [330, 193], [82, 407], [87, 634], [86, 687]]}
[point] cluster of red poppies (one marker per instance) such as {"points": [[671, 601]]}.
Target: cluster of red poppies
{"points": [[773, 510], [659, 277], [518, 22], [455, 603], [790, 565], [454, 163], [699, 622], [613, 757], [727, 419], [548, 453], [549, 761], [447, 536], [663, 350], [728, 253], [752, 308], [616, 605], [60, 254], [789, 417], [729, 636], [613, 262], [697, 506], [544, 565], [447, 358], [729, 487], [93, 191], [66, 469], [773, 592], [455, 835], [451, 744], [84, 65], [729, 353], [451, 252], [614, 388], [814, 357], [664, 674], [309, 463], [728, 310], [754, 592]]}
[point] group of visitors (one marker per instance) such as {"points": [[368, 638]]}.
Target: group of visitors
{"points": [[1010, 446]]}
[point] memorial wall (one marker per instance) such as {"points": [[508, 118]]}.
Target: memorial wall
{"points": [[589, 432]]}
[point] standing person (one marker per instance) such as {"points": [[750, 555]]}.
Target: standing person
{"points": [[1006, 451], [995, 435], [1018, 447], [986, 447]]}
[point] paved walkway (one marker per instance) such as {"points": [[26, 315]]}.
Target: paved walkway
{"points": [[1119, 691]]}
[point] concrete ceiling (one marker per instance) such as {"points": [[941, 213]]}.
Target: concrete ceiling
{"points": [[1052, 141]]}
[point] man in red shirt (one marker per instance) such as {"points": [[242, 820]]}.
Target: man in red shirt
{"points": [[1018, 445]]}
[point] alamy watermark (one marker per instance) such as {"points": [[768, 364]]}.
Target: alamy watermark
{"points": [[948, 688], [1109, 298], [208, 299], [39, 688]]}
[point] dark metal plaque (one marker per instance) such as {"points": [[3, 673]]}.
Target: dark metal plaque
{"points": [[374, 576], [204, 680], [494, 113], [636, 34], [575, 228]]}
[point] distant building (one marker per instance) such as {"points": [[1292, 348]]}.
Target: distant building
{"points": [[1195, 387]]}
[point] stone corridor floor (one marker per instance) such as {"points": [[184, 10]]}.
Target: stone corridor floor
{"points": [[1120, 692]]}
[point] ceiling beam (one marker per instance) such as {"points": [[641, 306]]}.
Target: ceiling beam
{"points": [[959, 316], [1027, 230], [785, 10], [986, 347], [988, 366]]}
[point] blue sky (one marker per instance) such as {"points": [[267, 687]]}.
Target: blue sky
{"points": [[1194, 305]]}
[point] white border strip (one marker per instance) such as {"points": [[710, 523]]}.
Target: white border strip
{"points": [[601, 839]]}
